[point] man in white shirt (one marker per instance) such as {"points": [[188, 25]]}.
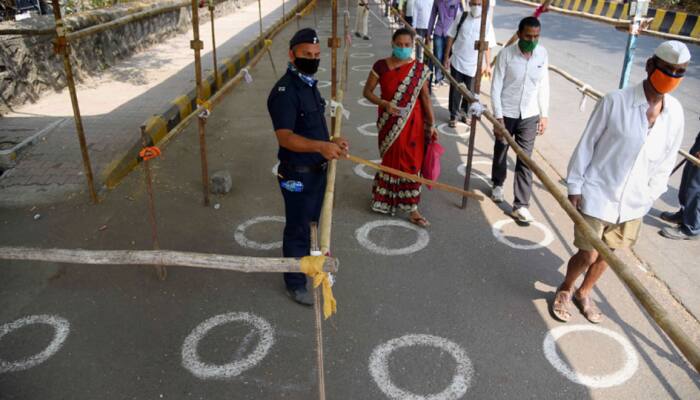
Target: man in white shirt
{"points": [[462, 61], [421, 18], [520, 98], [620, 167]]}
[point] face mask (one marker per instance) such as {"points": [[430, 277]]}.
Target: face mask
{"points": [[307, 66], [527, 46], [402, 53], [663, 82], [475, 11]]}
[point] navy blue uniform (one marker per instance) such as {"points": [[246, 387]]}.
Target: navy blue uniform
{"points": [[295, 105], [689, 195]]}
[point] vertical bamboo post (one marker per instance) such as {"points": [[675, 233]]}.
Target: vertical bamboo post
{"points": [[262, 38], [213, 45], [318, 322], [197, 46], [160, 269], [333, 43], [481, 47], [61, 46], [298, 14], [284, 12]]}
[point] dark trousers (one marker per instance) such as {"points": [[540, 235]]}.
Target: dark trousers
{"points": [[689, 195], [524, 131], [439, 44], [419, 50], [456, 101], [300, 209]]}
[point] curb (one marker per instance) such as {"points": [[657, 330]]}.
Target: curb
{"points": [[159, 125]]}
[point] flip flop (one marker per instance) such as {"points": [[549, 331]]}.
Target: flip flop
{"points": [[561, 305], [420, 221], [588, 309]]}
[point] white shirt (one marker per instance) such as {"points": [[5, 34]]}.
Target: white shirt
{"points": [[520, 86], [464, 56], [421, 13], [408, 8], [620, 166]]}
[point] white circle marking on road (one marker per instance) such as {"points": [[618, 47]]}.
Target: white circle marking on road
{"points": [[361, 55], [322, 84], [363, 129], [61, 329], [462, 170], [362, 68], [240, 237], [362, 235], [275, 168], [321, 69], [359, 170], [379, 367], [593, 381], [498, 234], [362, 45], [442, 128], [203, 370], [364, 102]]}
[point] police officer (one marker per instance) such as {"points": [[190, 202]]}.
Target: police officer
{"points": [[297, 111]]}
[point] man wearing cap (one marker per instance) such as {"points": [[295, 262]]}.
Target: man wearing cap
{"points": [[297, 111], [620, 166]]}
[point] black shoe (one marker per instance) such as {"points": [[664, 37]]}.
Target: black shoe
{"points": [[301, 296], [366, 37], [463, 119], [358, 34], [672, 217]]}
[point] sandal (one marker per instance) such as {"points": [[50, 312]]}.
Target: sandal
{"points": [[420, 221], [588, 309], [561, 304]]}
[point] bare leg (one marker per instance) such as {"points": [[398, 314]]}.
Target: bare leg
{"points": [[579, 264], [594, 273]]}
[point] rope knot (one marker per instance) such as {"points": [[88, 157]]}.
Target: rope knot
{"points": [[313, 267], [150, 152]]}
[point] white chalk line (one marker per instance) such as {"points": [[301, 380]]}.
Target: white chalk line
{"points": [[442, 128], [497, 227], [360, 171], [462, 170], [362, 45], [203, 370], [379, 368], [362, 68], [61, 329], [364, 102], [363, 129], [362, 236], [361, 55], [322, 84], [242, 240], [593, 381]]}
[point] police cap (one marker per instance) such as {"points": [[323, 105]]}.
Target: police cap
{"points": [[306, 35]]}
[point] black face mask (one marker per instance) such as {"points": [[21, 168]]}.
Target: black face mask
{"points": [[307, 66]]}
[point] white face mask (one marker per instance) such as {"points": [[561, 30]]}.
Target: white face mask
{"points": [[475, 11]]}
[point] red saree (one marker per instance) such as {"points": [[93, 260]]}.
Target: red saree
{"points": [[401, 137]]}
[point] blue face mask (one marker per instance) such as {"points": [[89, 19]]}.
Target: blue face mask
{"points": [[402, 53]]}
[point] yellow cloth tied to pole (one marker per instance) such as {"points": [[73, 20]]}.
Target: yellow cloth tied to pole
{"points": [[268, 42], [313, 267]]}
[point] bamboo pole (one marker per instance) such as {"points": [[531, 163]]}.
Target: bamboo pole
{"points": [[160, 269], [624, 272], [333, 43], [419, 179], [61, 46], [161, 257], [329, 196], [480, 45], [217, 77], [318, 321], [690, 157], [197, 46]]}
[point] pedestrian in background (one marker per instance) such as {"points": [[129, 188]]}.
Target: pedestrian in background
{"points": [[361, 19], [297, 111], [620, 166], [520, 98], [442, 16], [461, 57], [687, 219], [421, 18]]}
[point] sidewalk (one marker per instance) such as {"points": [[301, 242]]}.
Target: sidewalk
{"points": [[113, 107]]}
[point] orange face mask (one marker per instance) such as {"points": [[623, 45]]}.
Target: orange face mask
{"points": [[664, 83]]}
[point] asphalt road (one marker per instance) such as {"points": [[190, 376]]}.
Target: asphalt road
{"points": [[459, 315]]}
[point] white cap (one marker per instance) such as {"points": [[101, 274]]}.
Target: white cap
{"points": [[673, 52]]}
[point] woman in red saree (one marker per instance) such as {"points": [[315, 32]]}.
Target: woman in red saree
{"points": [[405, 119]]}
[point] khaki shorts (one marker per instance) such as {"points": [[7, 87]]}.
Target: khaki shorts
{"points": [[616, 236]]}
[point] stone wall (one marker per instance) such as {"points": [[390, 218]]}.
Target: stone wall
{"points": [[29, 67]]}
